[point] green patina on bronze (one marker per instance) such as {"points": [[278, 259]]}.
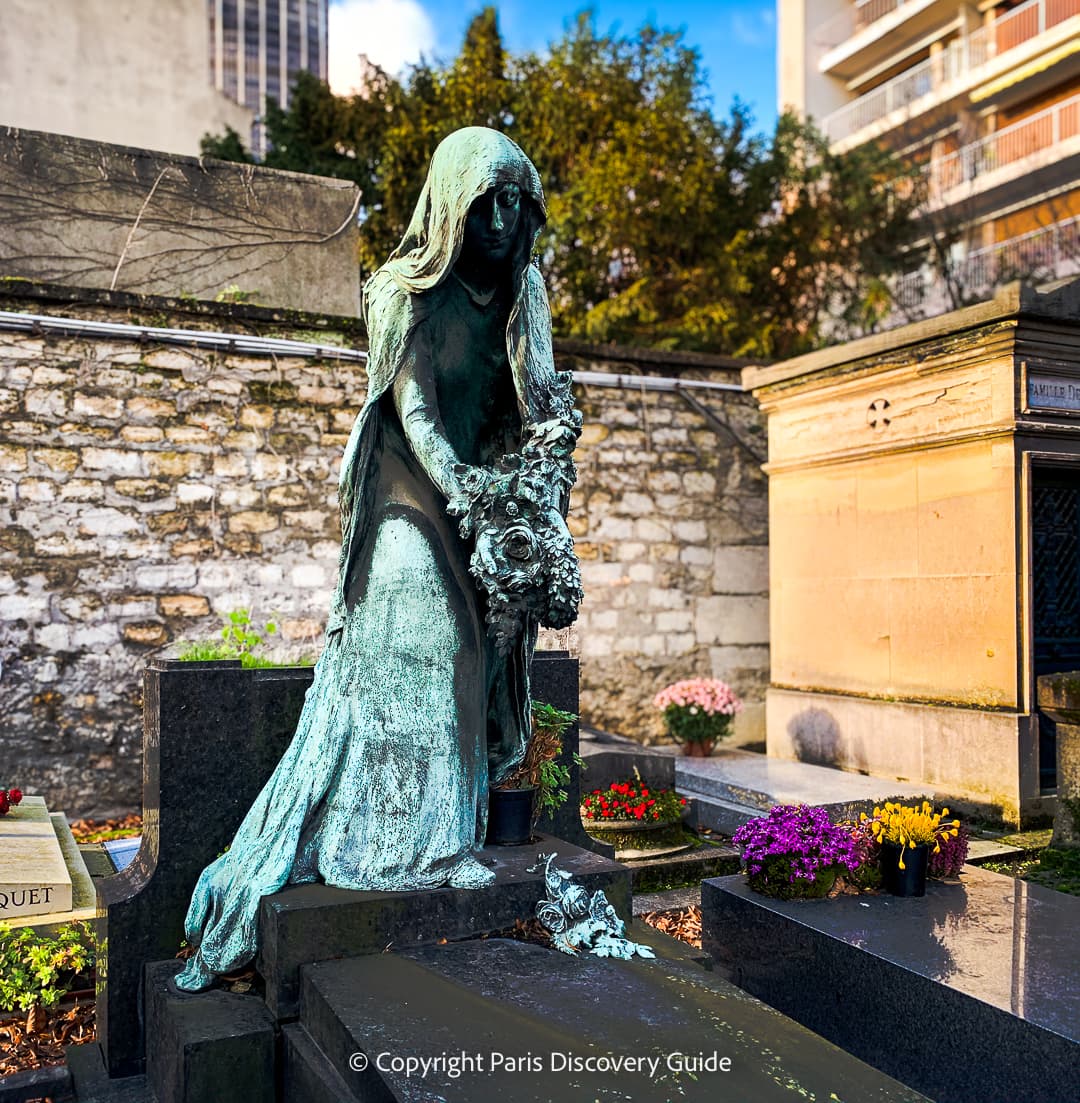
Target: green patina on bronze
{"points": [[453, 492]]}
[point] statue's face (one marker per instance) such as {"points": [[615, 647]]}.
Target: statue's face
{"points": [[492, 223]]}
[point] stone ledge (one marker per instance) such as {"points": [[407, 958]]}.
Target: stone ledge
{"points": [[313, 923], [985, 968]]}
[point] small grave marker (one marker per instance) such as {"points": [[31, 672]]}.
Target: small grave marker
{"points": [[34, 877]]}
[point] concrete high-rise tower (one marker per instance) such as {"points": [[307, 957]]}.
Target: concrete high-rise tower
{"points": [[257, 48]]}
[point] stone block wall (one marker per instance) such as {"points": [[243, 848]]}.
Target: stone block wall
{"points": [[146, 491], [670, 519]]}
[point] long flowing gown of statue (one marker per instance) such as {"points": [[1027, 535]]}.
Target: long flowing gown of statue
{"points": [[384, 785]]}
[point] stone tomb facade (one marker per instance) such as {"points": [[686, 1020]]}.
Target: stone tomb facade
{"points": [[923, 488]]}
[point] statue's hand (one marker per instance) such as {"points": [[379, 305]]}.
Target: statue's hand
{"points": [[472, 482]]}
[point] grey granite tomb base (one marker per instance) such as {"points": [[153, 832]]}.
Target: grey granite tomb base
{"points": [[969, 994], [496, 1001]]}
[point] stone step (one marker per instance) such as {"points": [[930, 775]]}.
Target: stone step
{"points": [[672, 900], [991, 963], [693, 865], [306, 923], [723, 816], [755, 781], [206, 1046], [91, 1083], [307, 1074], [485, 1003]]}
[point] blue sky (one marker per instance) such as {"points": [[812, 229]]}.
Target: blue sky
{"points": [[737, 38]]}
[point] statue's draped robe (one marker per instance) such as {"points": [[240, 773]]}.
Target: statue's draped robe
{"points": [[384, 785]]}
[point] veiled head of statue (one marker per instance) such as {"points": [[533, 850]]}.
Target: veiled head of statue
{"points": [[479, 179]]}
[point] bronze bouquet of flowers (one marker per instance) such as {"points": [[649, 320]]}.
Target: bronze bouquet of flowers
{"points": [[523, 558]]}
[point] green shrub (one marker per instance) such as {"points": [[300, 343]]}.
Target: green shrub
{"points": [[37, 969]]}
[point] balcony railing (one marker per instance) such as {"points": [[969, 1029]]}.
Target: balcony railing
{"points": [[1047, 253], [902, 91], [1006, 146], [1039, 255], [852, 20], [959, 58]]}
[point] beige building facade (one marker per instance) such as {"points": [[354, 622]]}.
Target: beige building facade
{"points": [[983, 97], [154, 74], [122, 71], [925, 547]]}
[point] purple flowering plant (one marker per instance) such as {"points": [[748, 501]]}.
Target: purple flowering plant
{"points": [[796, 851], [949, 858]]}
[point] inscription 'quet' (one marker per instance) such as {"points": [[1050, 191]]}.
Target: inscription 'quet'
{"points": [[454, 488]]}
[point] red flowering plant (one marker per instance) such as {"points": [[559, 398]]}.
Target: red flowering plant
{"points": [[634, 801], [8, 799]]}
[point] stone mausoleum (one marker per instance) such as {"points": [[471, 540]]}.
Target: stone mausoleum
{"points": [[924, 520]]}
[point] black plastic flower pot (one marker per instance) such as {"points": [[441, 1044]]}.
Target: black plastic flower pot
{"points": [[911, 880], [510, 816]]}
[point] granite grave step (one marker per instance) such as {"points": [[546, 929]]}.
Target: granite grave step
{"points": [[207, 1047], [707, 860], [986, 969], [756, 782], [91, 1082], [501, 1020], [308, 923]]}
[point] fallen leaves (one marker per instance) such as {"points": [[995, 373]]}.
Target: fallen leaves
{"points": [[38, 1040], [96, 831], [681, 923]]}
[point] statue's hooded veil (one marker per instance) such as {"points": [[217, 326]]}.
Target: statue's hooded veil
{"points": [[465, 165]]}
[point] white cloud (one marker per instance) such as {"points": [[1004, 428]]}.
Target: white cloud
{"points": [[754, 28], [392, 33]]}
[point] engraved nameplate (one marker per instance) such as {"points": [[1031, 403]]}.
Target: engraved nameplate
{"points": [[34, 877], [1053, 392]]}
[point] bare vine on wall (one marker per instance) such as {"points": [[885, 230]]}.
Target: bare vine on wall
{"points": [[94, 215]]}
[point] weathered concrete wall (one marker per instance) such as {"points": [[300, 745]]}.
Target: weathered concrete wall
{"points": [[146, 491], [104, 216], [127, 71]]}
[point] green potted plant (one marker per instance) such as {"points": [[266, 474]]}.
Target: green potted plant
{"points": [[907, 834], [698, 712], [537, 785]]}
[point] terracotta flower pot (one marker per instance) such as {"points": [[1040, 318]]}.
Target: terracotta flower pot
{"points": [[698, 748]]}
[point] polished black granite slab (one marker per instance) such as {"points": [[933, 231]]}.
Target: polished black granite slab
{"points": [[970, 994], [496, 1001], [306, 923], [212, 735]]}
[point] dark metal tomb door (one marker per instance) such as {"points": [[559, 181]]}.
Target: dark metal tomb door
{"points": [[1055, 542]]}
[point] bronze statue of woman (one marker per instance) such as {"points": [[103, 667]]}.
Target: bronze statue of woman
{"points": [[417, 702]]}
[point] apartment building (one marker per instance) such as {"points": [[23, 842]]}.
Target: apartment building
{"points": [[984, 98], [257, 48]]}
